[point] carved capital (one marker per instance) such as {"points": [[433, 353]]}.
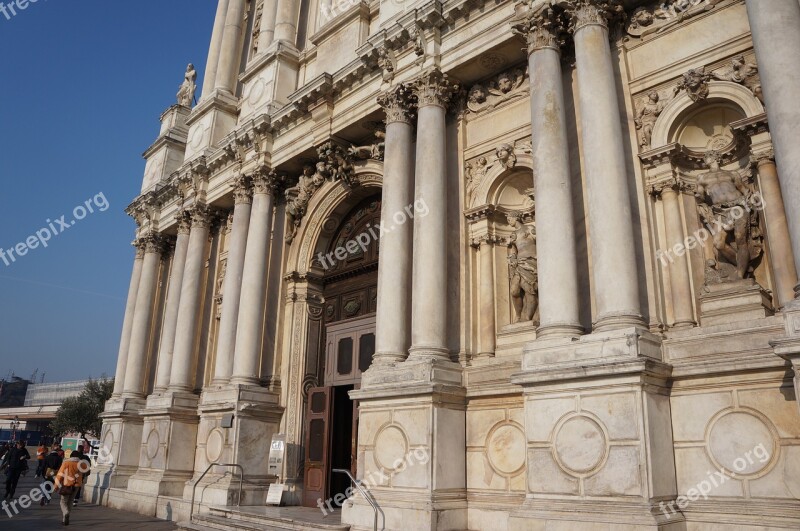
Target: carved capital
{"points": [[542, 30], [766, 156], [184, 219], [201, 216], [657, 188], [153, 242], [399, 103], [435, 88], [266, 182], [585, 13], [139, 244], [242, 189]]}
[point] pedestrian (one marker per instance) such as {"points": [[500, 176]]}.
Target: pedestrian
{"points": [[4, 450], [86, 467], [52, 464], [16, 458], [57, 448], [68, 480], [41, 453]]}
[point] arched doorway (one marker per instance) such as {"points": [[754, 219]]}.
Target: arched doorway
{"points": [[349, 288]]}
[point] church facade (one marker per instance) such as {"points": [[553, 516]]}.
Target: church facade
{"points": [[513, 265]]}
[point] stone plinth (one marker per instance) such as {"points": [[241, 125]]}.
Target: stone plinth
{"points": [[256, 418], [121, 438], [411, 446], [165, 461], [599, 433], [209, 122], [511, 339], [740, 300], [788, 347]]}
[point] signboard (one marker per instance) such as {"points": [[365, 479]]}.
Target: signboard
{"points": [[275, 494], [277, 451]]}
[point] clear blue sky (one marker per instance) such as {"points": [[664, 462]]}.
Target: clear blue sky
{"points": [[83, 85]]}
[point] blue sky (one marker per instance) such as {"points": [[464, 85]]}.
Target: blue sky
{"points": [[83, 84]]}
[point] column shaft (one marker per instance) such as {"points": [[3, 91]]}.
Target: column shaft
{"points": [[780, 248], [487, 340], [142, 319], [210, 76], [167, 345], [267, 34], [286, 21], [182, 375], [429, 282], [680, 281], [231, 49], [127, 323], [393, 314], [250, 326], [232, 287], [555, 224], [613, 254], [776, 40]]}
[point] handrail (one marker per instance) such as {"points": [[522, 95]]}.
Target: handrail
{"points": [[194, 488], [375, 507]]}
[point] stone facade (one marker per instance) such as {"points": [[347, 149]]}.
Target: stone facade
{"points": [[571, 229]]}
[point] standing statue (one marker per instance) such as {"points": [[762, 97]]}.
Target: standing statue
{"points": [[298, 196], [723, 202], [188, 87], [646, 117], [522, 269]]}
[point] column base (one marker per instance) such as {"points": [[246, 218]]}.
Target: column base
{"points": [[165, 461], [428, 353], [559, 330], [256, 417], [617, 321], [567, 515], [412, 447]]}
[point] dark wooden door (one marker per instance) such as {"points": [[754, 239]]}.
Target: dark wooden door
{"points": [[318, 418]]}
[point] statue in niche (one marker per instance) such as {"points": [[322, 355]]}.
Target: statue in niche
{"points": [[522, 269], [188, 87], [646, 117], [725, 204]]}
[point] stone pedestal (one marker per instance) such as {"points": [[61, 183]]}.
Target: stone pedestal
{"points": [[599, 433], [788, 347], [209, 122], [256, 417], [121, 439], [728, 302], [166, 461], [412, 447]]}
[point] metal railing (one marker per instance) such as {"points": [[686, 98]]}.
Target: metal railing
{"points": [[241, 482], [367, 497]]}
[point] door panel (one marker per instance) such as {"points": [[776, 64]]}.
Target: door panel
{"points": [[318, 418]]}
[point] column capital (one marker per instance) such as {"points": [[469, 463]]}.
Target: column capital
{"points": [[583, 13], [766, 156], [266, 181], [139, 246], [399, 103], [242, 189], [152, 242], [201, 216], [542, 29], [184, 219], [435, 88]]}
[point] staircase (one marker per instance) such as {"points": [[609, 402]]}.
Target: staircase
{"points": [[265, 519]]}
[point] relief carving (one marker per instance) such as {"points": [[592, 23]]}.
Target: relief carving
{"points": [[372, 151], [646, 117], [503, 87], [657, 17]]}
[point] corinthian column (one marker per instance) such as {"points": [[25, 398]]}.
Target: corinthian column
{"points": [[555, 225], [429, 283], [393, 314], [143, 317], [680, 282], [209, 79], [614, 268], [230, 52], [250, 326], [776, 40], [232, 288], [127, 322], [173, 301], [183, 361]]}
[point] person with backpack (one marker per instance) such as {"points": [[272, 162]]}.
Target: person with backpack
{"points": [[52, 464], [69, 479]]}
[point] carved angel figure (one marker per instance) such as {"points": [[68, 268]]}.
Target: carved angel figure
{"points": [[188, 87]]}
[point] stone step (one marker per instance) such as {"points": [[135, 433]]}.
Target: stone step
{"points": [[244, 522]]}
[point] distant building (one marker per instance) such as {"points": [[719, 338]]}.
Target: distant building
{"points": [[34, 407]]}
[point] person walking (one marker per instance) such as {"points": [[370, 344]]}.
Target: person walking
{"points": [[69, 479], [41, 453], [16, 458], [86, 467], [52, 464]]}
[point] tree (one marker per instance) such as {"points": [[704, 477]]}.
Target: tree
{"points": [[81, 414]]}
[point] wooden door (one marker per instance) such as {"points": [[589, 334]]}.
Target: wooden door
{"points": [[318, 416]]}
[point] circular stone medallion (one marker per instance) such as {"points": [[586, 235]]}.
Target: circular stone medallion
{"points": [[152, 444], [580, 445], [390, 448], [214, 445], [741, 443], [505, 449]]}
